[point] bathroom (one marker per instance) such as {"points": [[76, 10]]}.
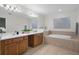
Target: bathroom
{"points": [[55, 28], [39, 29]]}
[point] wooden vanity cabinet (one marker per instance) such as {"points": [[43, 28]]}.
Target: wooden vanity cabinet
{"points": [[14, 46], [35, 39]]}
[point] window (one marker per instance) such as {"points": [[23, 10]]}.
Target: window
{"points": [[62, 23]]}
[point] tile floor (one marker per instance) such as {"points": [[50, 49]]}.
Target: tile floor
{"points": [[49, 50]]}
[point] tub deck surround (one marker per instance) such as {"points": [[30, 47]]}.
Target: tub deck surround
{"points": [[59, 36], [62, 33], [70, 44]]}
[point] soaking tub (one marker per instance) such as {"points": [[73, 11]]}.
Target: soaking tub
{"points": [[63, 41]]}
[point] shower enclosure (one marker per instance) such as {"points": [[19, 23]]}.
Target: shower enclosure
{"points": [[77, 28]]}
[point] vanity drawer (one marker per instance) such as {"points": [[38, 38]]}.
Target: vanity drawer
{"points": [[10, 41]]}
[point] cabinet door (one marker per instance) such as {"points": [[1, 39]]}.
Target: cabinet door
{"points": [[40, 36], [11, 49], [36, 40], [31, 40], [0, 47], [20, 45], [23, 45]]}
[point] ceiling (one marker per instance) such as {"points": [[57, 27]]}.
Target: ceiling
{"points": [[51, 8]]}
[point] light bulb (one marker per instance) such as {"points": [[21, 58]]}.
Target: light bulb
{"points": [[7, 7], [1, 5], [60, 10]]}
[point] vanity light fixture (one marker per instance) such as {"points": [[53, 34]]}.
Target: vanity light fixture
{"points": [[11, 7]]}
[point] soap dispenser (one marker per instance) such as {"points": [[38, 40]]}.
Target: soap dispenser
{"points": [[25, 27]]}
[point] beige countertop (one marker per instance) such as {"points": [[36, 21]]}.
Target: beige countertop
{"points": [[11, 35]]}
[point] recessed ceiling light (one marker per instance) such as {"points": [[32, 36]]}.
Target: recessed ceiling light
{"points": [[60, 10], [13, 8], [32, 14]]}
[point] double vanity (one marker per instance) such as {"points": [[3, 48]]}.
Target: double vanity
{"points": [[18, 44]]}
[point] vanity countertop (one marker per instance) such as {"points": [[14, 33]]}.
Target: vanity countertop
{"points": [[10, 35]]}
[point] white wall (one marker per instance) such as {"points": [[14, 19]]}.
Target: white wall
{"points": [[16, 21], [77, 16], [50, 18]]}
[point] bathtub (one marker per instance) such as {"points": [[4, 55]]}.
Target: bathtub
{"points": [[62, 41], [59, 36]]}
